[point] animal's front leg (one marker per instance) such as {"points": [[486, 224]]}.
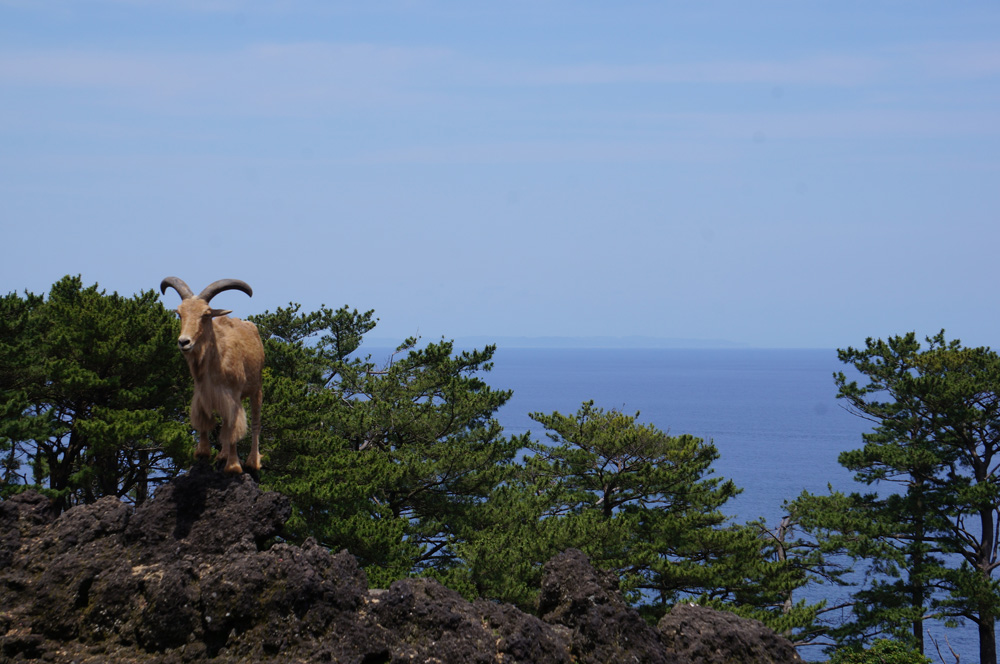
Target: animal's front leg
{"points": [[228, 452], [204, 448], [203, 423]]}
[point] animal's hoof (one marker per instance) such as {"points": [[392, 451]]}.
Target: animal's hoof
{"points": [[234, 469]]}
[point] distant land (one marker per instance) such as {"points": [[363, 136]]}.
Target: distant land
{"points": [[572, 342]]}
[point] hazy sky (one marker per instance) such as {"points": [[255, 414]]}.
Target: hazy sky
{"points": [[782, 174]]}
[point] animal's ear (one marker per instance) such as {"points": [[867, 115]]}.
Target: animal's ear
{"points": [[220, 312]]}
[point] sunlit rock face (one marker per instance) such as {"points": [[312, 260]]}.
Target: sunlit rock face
{"points": [[192, 575]]}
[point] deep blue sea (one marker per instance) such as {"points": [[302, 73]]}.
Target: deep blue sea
{"points": [[772, 414]]}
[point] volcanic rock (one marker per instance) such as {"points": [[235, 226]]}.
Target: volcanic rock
{"points": [[700, 634], [199, 573]]}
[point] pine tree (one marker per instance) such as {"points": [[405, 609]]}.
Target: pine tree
{"points": [[640, 503], [932, 539], [96, 403], [389, 461], [20, 376]]}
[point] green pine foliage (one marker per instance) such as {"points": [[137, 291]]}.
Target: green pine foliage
{"points": [[933, 453], [401, 461], [648, 495], [20, 374], [639, 502], [882, 651], [93, 393], [391, 461]]}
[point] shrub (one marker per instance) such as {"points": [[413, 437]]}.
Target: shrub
{"points": [[882, 651]]}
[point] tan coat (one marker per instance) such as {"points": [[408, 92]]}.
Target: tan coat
{"points": [[226, 358]]}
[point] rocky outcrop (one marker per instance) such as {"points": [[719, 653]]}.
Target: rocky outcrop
{"points": [[190, 576], [699, 634], [601, 627]]}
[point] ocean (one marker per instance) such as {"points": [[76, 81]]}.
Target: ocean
{"points": [[773, 415]]}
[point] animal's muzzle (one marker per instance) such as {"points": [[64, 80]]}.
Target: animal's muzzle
{"points": [[185, 343]]}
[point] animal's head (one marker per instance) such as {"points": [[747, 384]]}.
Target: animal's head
{"points": [[195, 312]]}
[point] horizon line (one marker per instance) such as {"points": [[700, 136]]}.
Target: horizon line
{"points": [[593, 342]]}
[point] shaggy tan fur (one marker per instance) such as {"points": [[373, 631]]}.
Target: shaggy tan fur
{"points": [[226, 357]]}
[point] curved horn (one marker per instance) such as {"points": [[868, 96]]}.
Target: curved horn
{"points": [[217, 287], [178, 285]]}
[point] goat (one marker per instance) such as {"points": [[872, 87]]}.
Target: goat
{"points": [[226, 358]]}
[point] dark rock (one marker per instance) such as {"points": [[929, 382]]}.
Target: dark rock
{"points": [[113, 599], [431, 620], [193, 575], [169, 610], [587, 602], [699, 634], [522, 637], [432, 623], [21, 517], [104, 519], [204, 512]]}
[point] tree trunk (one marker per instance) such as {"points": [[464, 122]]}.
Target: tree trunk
{"points": [[918, 630], [783, 529], [142, 478], [917, 580], [106, 460], [987, 640], [987, 611]]}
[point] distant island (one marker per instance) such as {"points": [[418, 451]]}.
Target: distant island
{"points": [[573, 342]]}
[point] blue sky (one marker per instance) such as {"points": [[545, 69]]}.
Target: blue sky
{"points": [[779, 174]]}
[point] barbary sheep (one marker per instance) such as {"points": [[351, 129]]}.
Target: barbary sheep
{"points": [[226, 358]]}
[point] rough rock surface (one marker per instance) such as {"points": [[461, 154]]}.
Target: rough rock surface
{"points": [[188, 577], [602, 628], [732, 640]]}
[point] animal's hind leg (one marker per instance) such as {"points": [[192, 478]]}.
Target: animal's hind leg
{"points": [[253, 460]]}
